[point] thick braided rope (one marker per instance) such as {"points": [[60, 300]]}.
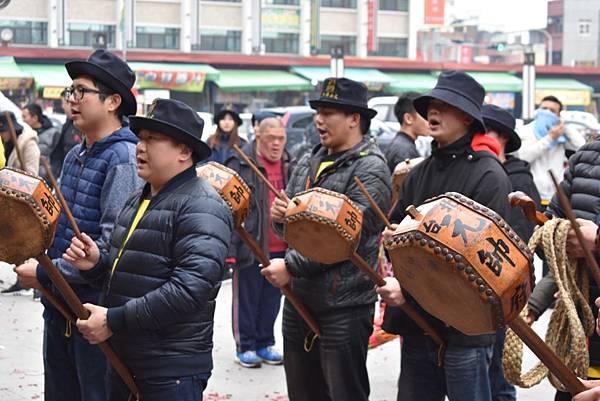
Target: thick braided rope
{"points": [[566, 334]]}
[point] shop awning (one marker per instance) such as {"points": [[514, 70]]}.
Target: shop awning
{"points": [[180, 77], [11, 76], [374, 79], [410, 82], [569, 91], [497, 81], [261, 81], [50, 78]]}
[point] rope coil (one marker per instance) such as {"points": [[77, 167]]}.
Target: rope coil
{"points": [[567, 333]]}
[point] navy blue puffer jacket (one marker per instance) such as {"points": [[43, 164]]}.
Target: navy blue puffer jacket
{"points": [[161, 295]]}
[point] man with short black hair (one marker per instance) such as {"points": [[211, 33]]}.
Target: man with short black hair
{"points": [[48, 137], [412, 125], [97, 177], [544, 143], [340, 296]]}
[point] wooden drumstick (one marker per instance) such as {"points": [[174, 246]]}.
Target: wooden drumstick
{"points": [[520, 199], [374, 205], [61, 198], [566, 206], [77, 307], [286, 290], [549, 358], [13, 137]]}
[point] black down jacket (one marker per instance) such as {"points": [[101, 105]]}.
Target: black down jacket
{"points": [[161, 295], [325, 287], [457, 168]]}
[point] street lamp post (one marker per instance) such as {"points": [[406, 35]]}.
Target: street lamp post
{"points": [[337, 62], [528, 83]]}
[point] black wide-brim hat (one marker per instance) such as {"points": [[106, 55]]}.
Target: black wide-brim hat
{"points": [[177, 120], [111, 71], [344, 94], [232, 112], [497, 117], [459, 90]]}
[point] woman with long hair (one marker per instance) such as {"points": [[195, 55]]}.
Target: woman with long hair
{"points": [[221, 142]]}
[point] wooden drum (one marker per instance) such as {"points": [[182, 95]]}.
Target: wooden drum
{"points": [[462, 263], [28, 215], [400, 172], [323, 225], [230, 187]]}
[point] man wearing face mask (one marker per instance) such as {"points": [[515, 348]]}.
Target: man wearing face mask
{"points": [[543, 145], [256, 302]]}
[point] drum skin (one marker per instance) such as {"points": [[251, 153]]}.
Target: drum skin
{"points": [[323, 225], [400, 172], [463, 264], [230, 187], [28, 216]]}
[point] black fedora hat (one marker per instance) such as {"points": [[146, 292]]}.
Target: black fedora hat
{"points": [[345, 94], [111, 71], [232, 112], [504, 122], [459, 90], [175, 119], [4, 122]]}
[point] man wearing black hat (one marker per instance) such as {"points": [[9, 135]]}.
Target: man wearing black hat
{"points": [[340, 296], [163, 269], [453, 110], [96, 179], [500, 125]]}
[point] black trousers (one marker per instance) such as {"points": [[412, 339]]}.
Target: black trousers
{"points": [[334, 369]]}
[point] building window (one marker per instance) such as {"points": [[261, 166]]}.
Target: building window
{"points": [[216, 40], [348, 44], [27, 32], [157, 38], [391, 47], [91, 35], [285, 2], [393, 5], [584, 27], [339, 3], [281, 42]]}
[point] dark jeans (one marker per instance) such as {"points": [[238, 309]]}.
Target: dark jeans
{"points": [[74, 370], [464, 376], [335, 367], [255, 307], [502, 390], [186, 388]]}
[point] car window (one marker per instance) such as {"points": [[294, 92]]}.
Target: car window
{"points": [[302, 122], [382, 111]]}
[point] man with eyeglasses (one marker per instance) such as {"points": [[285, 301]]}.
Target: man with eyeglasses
{"points": [[98, 176]]}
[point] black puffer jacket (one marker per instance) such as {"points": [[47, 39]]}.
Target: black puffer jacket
{"points": [[257, 221], [521, 179], [401, 148], [457, 168], [326, 287], [581, 184], [161, 296]]}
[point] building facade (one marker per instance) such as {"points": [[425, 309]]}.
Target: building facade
{"points": [[362, 28]]}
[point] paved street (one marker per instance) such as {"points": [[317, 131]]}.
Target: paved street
{"points": [[21, 371]]}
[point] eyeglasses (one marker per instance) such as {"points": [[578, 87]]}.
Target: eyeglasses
{"points": [[77, 92]]}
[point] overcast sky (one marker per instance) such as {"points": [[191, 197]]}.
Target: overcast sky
{"points": [[502, 15]]}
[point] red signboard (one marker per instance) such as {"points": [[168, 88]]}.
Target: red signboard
{"points": [[466, 54], [434, 12], [371, 26]]}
